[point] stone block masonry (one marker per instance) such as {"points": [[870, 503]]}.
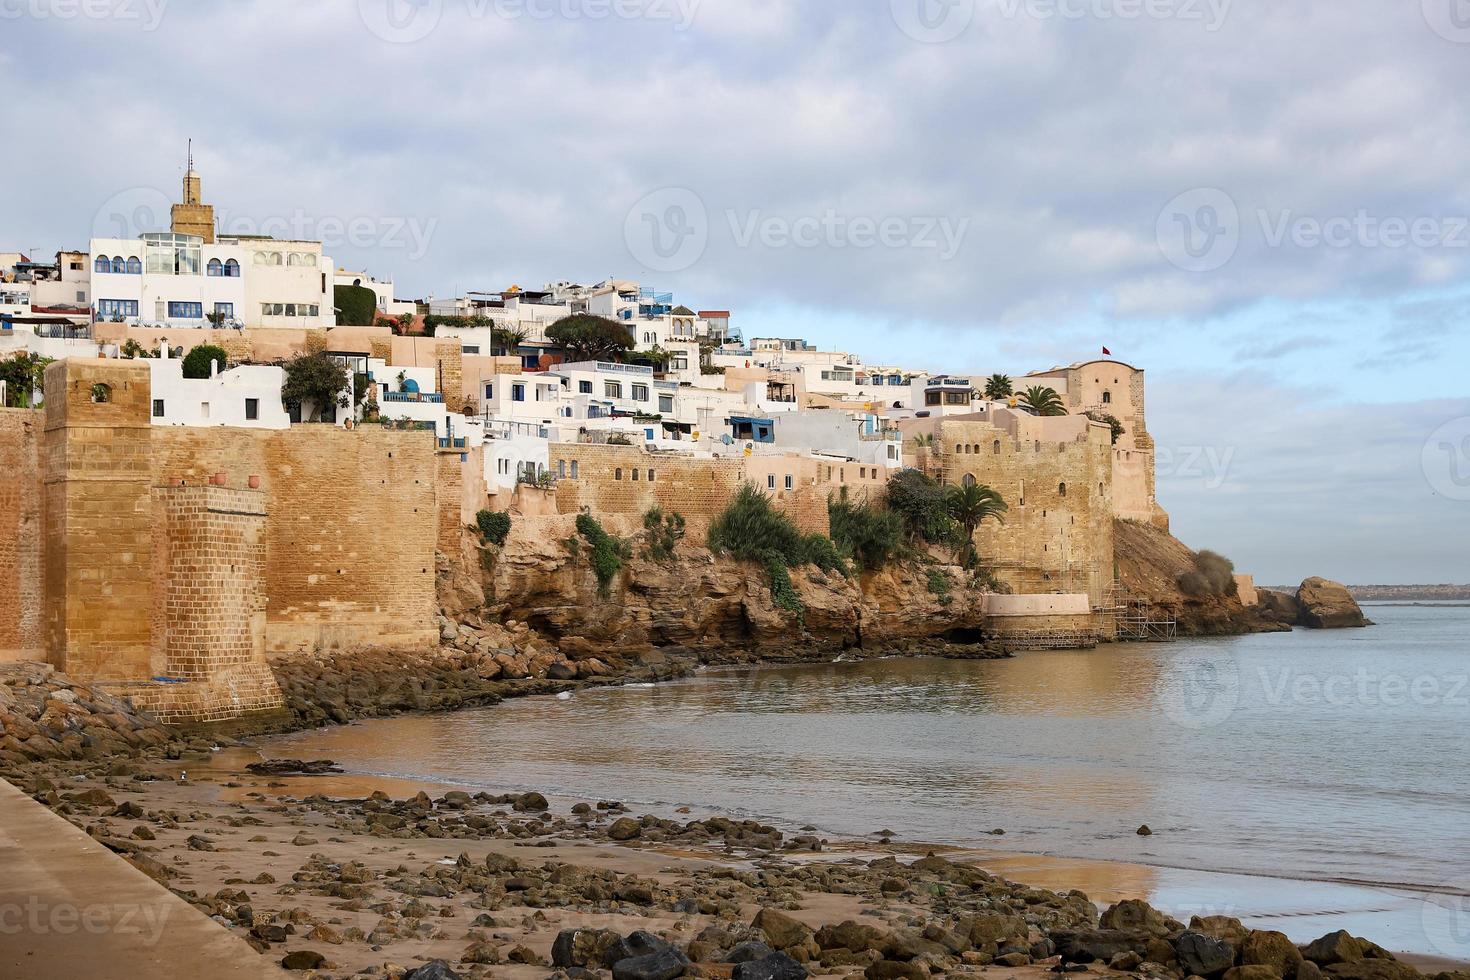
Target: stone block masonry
{"points": [[21, 632]]}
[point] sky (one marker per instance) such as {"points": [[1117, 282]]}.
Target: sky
{"points": [[1263, 204]]}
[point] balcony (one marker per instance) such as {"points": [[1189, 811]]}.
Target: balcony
{"points": [[412, 396], [452, 442]]}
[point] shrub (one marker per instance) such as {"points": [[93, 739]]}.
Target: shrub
{"points": [[664, 533], [494, 526], [198, 360], [922, 506], [607, 551], [750, 529], [939, 585], [1213, 574], [867, 535], [1111, 421], [357, 306]]}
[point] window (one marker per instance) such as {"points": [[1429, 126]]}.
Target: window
{"points": [[640, 393], [862, 472], [204, 410], [186, 311], [135, 266], [517, 392], [584, 387], [1061, 489], [650, 476], [618, 473], [931, 398], [996, 447], [969, 480], [101, 264], [215, 268], [561, 469], [226, 310], [232, 269], [665, 403], [158, 408], [635, 474], [771, 481], [1107, 398], [613, 389], [470, 350], [489, 392], [117, 307], [574, 469], [790, 482]]}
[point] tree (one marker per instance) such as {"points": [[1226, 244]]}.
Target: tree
{"points": [[314, 378], [1043, 401], [924, 449], [1111, 421], [132, 349], [23, 374], [919, 501], [198, 360], [998, 386], [969, 506], [655, 357], [586, 337], [357, 306], [506, 341]]}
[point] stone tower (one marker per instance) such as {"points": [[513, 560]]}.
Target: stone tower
{"points": [[193, 216]]}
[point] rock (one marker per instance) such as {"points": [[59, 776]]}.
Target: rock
{"points": [[1013, 959], [1263, 947], [1144, 831], [894, 970], [433, 970], [993, 927], [747, 951], [1335, 947], [531, 803], [1328, 605], [777, 966], [1307, 970], [625, 828], [1373, 969], [852, 935], [303, 959], [1095, 945], [583, 947], [1125, 962], [1136, 915], [561, 671], [288, 767], [1253, 971], [1224, 927], [666, 964], [1202, 955], [782, 930]]}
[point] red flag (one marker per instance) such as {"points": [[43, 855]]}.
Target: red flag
{"points": [[1107, 352]]}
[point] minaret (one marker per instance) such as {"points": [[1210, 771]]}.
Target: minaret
{"points": [[193, 216]]}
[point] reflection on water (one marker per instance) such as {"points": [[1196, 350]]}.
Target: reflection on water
{"points": [[1281, 754]]}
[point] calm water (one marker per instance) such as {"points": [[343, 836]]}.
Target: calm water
{"points": [[1326, 756]]}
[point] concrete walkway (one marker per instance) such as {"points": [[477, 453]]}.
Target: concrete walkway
{"points": [[70, 909]]}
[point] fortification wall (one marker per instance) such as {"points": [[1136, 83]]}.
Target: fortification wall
{"points": [[21, 633]]}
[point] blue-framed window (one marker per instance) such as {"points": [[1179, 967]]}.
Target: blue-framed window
{"points": [[226, 310], [117, 307], [517, 392], [186, 311], [215, 268], [232, 269], [135, 266], [120, 266], [101, 264]]}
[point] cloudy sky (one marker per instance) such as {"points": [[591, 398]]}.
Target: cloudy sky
{"points": [[1264, 204]]}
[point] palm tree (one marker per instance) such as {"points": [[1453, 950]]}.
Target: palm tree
{"points": [[1043, 401], [970, 505], [998, 386], [507, 340], [923, 449]]}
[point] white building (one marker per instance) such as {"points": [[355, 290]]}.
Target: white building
{"points": [[248, 396]]}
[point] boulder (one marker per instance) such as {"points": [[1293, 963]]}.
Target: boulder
{"points": [[432, 970], [665, 964], [777, 966], [894, 970], [1253, 971], [1096, 945], [1263, 947], [1327, 605], [1136, 915], [856, 936], [583, 947], [1335, 947], [303, 959], [1202, 955], [531, 803], [1225, 927], [1373, 969], [625, 828], [993, 927], [781, 930], [747, 951]]}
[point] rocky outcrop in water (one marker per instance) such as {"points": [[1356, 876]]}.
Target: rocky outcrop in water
{"points": [[1324, 604]]}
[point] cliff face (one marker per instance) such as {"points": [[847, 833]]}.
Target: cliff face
{"points": [[1150, 560], [696, 599]]}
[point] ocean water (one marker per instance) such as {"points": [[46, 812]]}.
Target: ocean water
{"points": [[1337, 757]]}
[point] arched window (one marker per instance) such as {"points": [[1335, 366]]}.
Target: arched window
{"points": [[214, 268], [969, 480], [1061, 489], [120, 266], [262, 258], [232, 268], [101, 264], [135, 266], [958, 449], [101, 393], [1099, 489], [273, 258], [618, 473], [294, 258], [1107, 398], [996, 446]]}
